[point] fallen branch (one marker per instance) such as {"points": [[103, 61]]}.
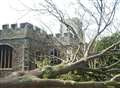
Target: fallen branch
{"points": [[33, 82]]}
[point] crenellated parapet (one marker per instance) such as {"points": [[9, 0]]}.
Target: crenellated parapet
{"points": [[66, 38], [27, 30], [21, 30]]}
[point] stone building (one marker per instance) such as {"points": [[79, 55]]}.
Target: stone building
{"points": [[17, 44], [21, 45]]}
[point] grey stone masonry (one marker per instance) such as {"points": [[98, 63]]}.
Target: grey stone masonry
{"points": [[22, 44]]}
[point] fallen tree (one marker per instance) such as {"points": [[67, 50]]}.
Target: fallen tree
{"points": [[54, 71], [34, 82], [34, 78]]}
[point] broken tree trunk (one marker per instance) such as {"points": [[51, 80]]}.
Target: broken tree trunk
{"points": [[34, 82]]}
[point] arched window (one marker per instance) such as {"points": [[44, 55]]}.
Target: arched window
{"points": [[5, 56]]}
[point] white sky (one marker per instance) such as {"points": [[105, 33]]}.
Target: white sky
{"points": [[9, 15]]}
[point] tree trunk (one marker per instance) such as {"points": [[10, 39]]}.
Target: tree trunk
{"points": [[33, 82]]}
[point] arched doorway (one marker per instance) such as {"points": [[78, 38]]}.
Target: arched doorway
{"points": [[6, 56]]}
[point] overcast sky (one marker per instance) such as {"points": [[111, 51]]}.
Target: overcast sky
{"points": [[9, 15]]}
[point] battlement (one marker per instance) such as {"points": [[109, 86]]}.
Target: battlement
{"points": [[27, 30], [64, 35], [20, 30], [25, 25], [66, 38]]}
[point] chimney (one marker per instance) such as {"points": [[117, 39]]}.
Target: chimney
{"points": [[5, 26]]}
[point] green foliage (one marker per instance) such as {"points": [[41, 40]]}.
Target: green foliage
{"points": [[107, 41], [70, 76], [105, 60], [48, 72], [112, 55], [43, 63], [109, 57], [76, 76], [46, 68]]}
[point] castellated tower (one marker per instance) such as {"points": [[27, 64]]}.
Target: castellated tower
{"points": [[18, 47], [77, 26], [21, 45], [68, 39]]}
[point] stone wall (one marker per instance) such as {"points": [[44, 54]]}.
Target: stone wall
{"points": [[42, 83], [4, 73], [25, 39]]}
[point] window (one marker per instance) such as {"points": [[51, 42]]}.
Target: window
{"points": [[54, 53], [5, 56]]}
